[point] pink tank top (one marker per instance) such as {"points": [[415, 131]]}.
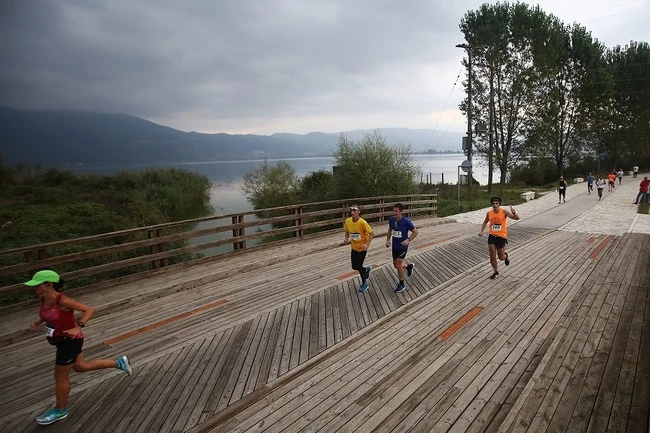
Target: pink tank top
{"points": [[60, 320]]}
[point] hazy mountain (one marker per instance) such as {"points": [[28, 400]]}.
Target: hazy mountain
{"points": [[63, 138]]}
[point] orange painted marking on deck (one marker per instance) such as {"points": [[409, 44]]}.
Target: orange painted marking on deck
{"points": [[591, 240], [351, 274], [460, 323], [348, 275], [599, 249], [164, 322], [429, 244]]}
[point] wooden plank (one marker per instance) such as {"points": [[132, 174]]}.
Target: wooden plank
{"points": [[256, 345], [274, 370], [329, 317], [336, 318], [230, 355], [297, 334], [288, 342], [314, 330], [213, 368], [305, 334], [322, 323], [343, 311], [640, 406], [352, 306]]}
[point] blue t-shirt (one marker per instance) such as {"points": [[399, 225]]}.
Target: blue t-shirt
{"points": [[590, 180], [400, 231]]}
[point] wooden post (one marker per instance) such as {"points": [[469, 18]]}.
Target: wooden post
{"points": [[382, 209], [160, 232], [153, 249], [238, 245], [297, 222]]}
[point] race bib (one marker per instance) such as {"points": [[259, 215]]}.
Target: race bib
{"points": [[397, 234], [49, 331], [496, 227], [561, 188], [355, 236]]}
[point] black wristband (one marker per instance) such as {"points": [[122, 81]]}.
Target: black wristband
{"points": [[80, 323]]}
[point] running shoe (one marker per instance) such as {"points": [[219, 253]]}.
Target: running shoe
{"points": [[52, 415], [363, 287], [494, 275], [124, 365], [409, 269], [507, 260], [368, 269], [400, 288]]}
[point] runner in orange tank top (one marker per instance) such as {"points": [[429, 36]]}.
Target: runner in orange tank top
{"points": [[497, 218]]}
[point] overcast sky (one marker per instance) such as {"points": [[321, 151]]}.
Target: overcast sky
{"points": [[259, 66]]}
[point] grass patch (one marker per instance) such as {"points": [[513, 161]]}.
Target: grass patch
{"points": [[478, 197]]}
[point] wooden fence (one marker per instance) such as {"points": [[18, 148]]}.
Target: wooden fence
{"points": [[100, 260]]}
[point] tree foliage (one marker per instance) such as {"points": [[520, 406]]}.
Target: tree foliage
{"points": [[271, 185], [45, 206], [550, 90], [370, 167], [364, 168]]}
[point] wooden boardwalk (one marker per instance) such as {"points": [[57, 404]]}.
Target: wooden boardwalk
{"points": [[281, 341]]}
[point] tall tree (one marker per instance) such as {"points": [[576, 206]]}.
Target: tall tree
{"points": [[569, 63], [501, 36], [626, 122]]}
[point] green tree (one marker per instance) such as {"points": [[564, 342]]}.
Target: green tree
{"points": [[624, 125], [503, 78], [271, 185], [316, 186], [570, 66], [370, 167]]}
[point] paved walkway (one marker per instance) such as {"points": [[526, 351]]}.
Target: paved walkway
{"points": [[615, 214]]}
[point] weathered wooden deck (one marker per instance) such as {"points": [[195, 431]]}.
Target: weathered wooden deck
{"points": [[559, 342]]}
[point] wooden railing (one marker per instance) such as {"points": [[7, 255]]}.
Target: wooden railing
{"points": [[96, 261]]}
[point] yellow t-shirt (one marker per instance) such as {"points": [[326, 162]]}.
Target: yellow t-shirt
{"points": [[358, 232]]}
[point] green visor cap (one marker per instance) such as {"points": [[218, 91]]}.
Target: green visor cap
{"points": [[41, 277]]}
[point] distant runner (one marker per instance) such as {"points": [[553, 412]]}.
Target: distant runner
{"points": [[600, 186], [561, 189], [590, 183]]}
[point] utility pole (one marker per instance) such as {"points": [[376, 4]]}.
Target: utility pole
{"points": [[468, 48], [491, 131]]}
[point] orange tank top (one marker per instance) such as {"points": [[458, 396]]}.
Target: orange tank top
{"points": [[498, 225]]}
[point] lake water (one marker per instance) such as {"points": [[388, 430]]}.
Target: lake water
{"points": [[226, 195]]}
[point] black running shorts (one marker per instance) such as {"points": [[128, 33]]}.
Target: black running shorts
{"points": [[68, 350], [498, 241]]}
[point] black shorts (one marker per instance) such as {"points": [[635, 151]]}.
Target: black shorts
{"points": [[399, 254], [357, 258], [68, 350], [498, 241]]}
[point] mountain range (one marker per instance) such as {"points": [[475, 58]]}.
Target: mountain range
{"points": [[68, 138]]}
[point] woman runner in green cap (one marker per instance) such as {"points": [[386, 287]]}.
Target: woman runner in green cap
{"points": [[64, 331]]}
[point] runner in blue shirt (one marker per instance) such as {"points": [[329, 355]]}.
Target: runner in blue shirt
{"points": [[398, 229]]}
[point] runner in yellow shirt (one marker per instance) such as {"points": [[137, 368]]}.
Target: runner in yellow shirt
{"points": [[358, 234]]}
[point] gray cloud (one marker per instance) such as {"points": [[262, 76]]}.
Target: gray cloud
{"points": [[243, 65]]}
